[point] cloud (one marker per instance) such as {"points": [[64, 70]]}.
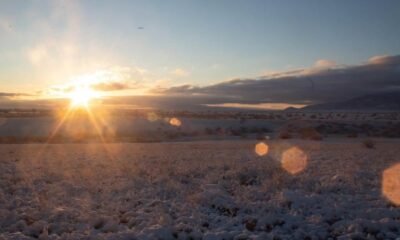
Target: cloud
{"points": [[6, 94], [9, 95], [323, 82], [329, 83], [177, 89], [384, 59], [37, 55], [179, 72], [110, 86], [115, 78], [118, 78], [324, 63], [5, 25], [269, 106]]}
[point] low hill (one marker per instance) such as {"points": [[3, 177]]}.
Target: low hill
{"points": [[388, 101]]}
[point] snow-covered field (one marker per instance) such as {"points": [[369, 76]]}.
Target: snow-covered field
{"points": [[201, 190]]}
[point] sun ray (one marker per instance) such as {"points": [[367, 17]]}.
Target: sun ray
{"points": [[95, 123], [80, 95], [59, 125]]}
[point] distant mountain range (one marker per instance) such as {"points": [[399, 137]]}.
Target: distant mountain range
{"points": [[388, 101]]}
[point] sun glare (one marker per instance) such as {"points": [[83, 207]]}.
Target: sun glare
{"points": [[81, 96]]}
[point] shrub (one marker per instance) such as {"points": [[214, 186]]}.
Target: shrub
{"points": [[284, 134], [352, 135], [369, 144], [248, 178], [260, 136], [310, 133]]}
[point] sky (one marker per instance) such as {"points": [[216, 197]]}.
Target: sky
{"points": [[131, 47]]}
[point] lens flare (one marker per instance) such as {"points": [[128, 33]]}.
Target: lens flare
{"points": [[261, 149], [391, 184], [294, 160], [152, 117], [175, 122]]}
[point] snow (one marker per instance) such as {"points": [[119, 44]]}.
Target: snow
{"points": [[197, 190]]}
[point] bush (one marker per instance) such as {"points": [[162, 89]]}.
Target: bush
{"points": [[352, 135], [310, 133], [260, 137], [369, 144], [284, 134]]}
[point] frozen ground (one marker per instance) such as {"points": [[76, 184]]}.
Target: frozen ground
{"points": [[200, 190]]}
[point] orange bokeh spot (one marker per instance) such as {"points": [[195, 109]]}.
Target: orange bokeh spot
{"points": [[294, 160], [261, 149], [175, 122], [391, 184], [152, 117]]}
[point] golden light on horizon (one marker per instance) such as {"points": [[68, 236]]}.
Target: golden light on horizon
{"points": [[81, 95], [294, 160], [391, 184], [261, 149]]}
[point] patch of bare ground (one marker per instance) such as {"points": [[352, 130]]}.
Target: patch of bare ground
{"points": [[296, 189]]}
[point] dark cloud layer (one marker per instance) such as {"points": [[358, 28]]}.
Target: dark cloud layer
{"points": [[304, 86], [110, 86], [12, 95], [323, 83]]}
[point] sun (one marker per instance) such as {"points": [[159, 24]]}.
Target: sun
{"points": [[81, 95]]}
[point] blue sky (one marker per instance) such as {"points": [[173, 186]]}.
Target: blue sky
{"points": [[48, 43]]}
